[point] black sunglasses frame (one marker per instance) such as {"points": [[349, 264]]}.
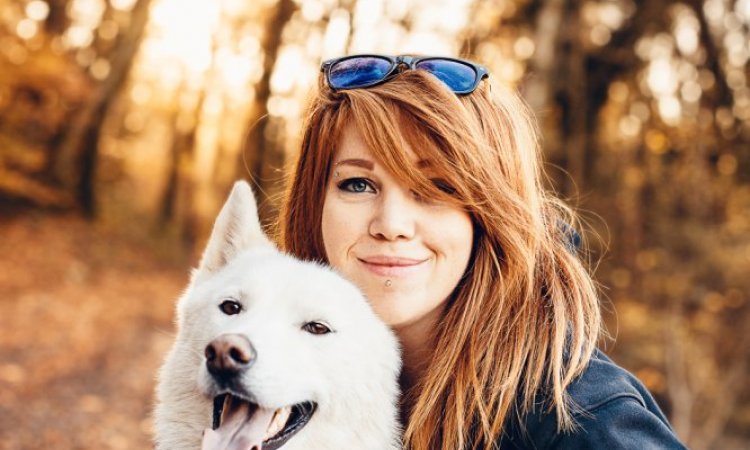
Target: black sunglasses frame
{"points": [[410, 62]]}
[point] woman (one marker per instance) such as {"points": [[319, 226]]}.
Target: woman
{"points": [[422, 184]]}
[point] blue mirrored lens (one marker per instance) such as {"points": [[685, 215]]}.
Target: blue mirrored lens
{"points": [[459, 77], [358, 72]]}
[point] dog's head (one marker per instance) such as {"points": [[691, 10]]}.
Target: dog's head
{"points": [[276, 341]]}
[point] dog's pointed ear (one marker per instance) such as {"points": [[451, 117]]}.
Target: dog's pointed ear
{"points": [[237, 228]]}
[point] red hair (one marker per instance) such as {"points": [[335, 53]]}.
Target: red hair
{"points": [[525, 300]]}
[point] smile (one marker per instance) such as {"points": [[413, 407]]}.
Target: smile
{"points": [[239, 423], [389, 266]]}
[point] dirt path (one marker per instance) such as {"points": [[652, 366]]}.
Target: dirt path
{"points": [[86, 317]]}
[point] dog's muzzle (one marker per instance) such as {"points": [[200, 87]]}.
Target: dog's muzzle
{"points": [[239, 422]]}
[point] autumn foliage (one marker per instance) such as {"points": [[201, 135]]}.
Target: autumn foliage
{"points": [[124, 122]]}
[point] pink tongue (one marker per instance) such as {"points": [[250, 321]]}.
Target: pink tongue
{"points": [[242, 427]]}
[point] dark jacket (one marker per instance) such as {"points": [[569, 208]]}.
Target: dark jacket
{"points": [[614, 411]]}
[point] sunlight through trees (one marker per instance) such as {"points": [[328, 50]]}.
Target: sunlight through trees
{"points": [[142, 113]]}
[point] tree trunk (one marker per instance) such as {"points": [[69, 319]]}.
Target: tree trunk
{"points": [[568, 92], [722, 93], [678, 388], [536, 88], [259, 154], [76, 157], [178, 198], [57, 19]]}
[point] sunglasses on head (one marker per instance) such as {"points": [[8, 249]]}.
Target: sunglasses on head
{"points": [[361, 71]]}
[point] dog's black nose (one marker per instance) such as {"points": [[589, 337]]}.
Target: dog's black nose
{"points": [[229, 355]]}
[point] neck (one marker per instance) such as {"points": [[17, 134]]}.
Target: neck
{"points": [[416, 351]]}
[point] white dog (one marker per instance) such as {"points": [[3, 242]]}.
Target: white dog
{"points": [[272, 352]]}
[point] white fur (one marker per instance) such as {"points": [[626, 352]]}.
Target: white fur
{"points": [[351, 373]]}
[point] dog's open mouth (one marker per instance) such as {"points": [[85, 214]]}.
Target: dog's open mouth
{"points": [[242, 425]]}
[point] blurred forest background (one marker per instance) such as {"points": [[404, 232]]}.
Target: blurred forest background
{"points": [[124, 122]]}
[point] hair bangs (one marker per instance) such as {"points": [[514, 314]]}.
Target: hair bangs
{"points": [[419, 149]]}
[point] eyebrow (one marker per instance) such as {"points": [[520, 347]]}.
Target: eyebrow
{"points": [[357, 162], [423, 163]]}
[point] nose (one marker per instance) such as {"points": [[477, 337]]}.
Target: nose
{"points": [[229, 355], [394, 216]]}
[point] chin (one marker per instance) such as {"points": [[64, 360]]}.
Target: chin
{"points": [[400, 319]]}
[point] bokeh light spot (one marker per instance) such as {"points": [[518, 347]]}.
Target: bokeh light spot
{"points": [[37, 10]]}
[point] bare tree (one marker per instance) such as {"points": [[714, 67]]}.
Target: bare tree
{"points": [[259, 154], [76, 153]]}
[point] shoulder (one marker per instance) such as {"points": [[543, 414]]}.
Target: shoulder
{"points": [[602, 382], [612, 409]]}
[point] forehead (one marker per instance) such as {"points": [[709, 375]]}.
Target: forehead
{"points": [[353, 150]]}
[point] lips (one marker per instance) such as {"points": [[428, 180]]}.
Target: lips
{"points": [[392, 266]]}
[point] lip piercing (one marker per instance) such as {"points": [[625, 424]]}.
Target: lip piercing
{"points": [[388, 283]]}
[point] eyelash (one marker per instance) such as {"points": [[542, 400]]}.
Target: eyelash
{"points": [[345, 185], [444, 186]]}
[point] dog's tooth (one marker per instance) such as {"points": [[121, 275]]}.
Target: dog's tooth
{"points": [[272, 427], [284, 414], [277, 423], [226, 407]]}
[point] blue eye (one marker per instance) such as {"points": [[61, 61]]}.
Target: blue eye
{"points": [[356, 185]]}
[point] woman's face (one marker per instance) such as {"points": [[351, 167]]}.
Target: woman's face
{"points": [[407, 254]]}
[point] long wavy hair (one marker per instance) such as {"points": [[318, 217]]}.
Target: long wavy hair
{"points": [[524, 320]]}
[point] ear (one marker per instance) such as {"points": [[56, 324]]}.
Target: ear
{"points": [[237, 228]]}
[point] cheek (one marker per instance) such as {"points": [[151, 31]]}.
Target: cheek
{"points": [[457, 233], [457, 240], [336, 230]]}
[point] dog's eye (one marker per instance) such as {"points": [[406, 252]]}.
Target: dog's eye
{"points": [[316, 328], [230, 307]]}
